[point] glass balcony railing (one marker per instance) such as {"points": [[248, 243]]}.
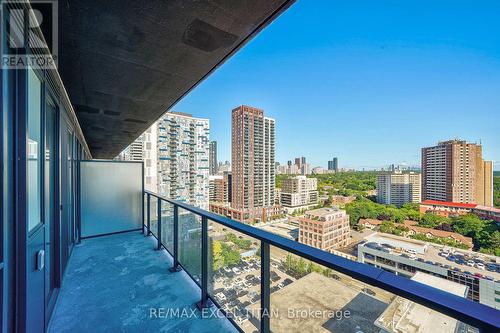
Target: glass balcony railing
{"points": [[263, 282]]}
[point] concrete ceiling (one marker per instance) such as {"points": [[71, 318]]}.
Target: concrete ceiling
{"points": [[124, 63]]}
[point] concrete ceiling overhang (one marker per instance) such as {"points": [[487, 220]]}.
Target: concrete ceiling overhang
{"points": [[124, 63]]}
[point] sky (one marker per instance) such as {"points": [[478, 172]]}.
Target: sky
{"points": [[370, 82]]}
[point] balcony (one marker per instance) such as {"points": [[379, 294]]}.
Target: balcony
{"points": [[85, 248], [227, 276], [120, 283]]}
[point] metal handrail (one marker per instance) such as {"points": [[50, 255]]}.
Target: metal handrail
{"points": [[483, 317]]}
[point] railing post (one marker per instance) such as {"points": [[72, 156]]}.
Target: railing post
{"points": [[265, 286], [143, 213], [204, 302], [176, 267], [148, 217], [159, 225]]}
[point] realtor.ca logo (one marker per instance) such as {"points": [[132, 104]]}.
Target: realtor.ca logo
{"points": [[29, 34]]}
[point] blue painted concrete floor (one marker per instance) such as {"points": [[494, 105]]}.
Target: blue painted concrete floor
{"points": [[116, 283]]}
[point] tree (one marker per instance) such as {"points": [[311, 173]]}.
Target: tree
{"points": [[468, 225], [231, 256], [301, 268], [218, 258], [387, 227], [289, 263], [432, 220]]}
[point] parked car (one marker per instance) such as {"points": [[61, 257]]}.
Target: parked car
{"points": [[491, 267], [470, 263], [220, 296], [480, 265], [236, 271], [372, 245]]}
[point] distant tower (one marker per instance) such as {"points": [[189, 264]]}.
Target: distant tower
{"points": [[253, 175], [333, 165], [213, 158], [455, 171]]}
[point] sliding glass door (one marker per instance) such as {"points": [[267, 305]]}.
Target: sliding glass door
{"points": [[50, 200]]}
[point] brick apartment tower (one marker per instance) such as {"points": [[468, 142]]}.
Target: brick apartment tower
{"points": [[455, 171], [253, 159]]}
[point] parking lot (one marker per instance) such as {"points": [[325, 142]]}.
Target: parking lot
{"points": [[237, 289]]}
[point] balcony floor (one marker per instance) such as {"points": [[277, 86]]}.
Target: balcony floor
{"points": [[112, 282]]}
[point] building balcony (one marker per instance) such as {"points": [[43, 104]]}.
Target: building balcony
{"points": [[85, 248], [158, 259], [120, 283]]}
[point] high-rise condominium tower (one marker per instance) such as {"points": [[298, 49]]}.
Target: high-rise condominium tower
{"points": [[455, 171], [175, 152], [333, 164], [397, 188], [134, 152], [213, 158], [183, 155], [253, 158]]}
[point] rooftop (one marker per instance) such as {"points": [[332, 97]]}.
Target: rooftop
{"points": [[428, 253], [333, 297], [323, 212], [447, 203], [488, 208], [403, 315]]}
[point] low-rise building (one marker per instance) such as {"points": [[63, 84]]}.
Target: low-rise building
{"points": [[403, 315], [220, 188], [325, 228], [249, 215], [370, 223], [446, 208], [430, 232], [487, 213], [414, 229], [299, 192], [405, 257], [342, 200]]}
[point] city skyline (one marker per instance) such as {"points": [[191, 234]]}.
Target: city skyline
{"points": [[364, 76]]}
